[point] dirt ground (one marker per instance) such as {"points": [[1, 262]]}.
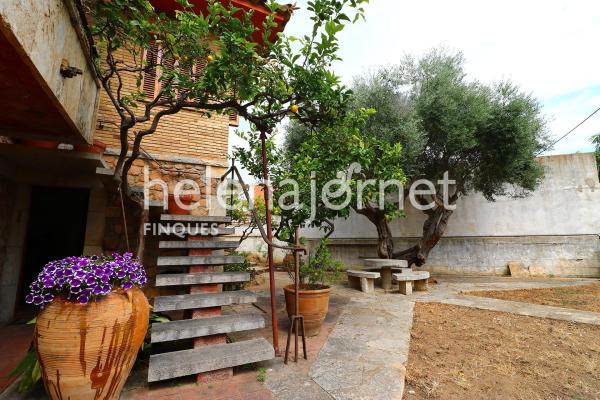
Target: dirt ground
{"points": [[465, 353], [585, 297]]}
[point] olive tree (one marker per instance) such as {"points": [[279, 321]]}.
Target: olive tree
{"points": [[485, 137]]}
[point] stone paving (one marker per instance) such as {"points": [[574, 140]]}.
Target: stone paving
{"points": [[366, 353], [362, 350]]}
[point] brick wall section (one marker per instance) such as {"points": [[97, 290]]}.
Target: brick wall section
{"points": [[187, 133]]}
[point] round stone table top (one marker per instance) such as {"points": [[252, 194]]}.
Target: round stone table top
{"points": [[385, 263]]}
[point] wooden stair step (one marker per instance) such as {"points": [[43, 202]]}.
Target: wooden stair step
{"points": [[198, 260], [195, 218], [201, 278], [198, 244], [202, 300], [208, 358], [193, 328]]}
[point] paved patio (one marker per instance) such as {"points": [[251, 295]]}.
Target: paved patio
{"points": [[361, 351]]}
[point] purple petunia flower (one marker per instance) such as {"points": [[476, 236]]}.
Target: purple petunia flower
{"points": [[84, 279]]}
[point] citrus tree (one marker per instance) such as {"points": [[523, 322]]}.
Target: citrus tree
{"points": [[216, 61], [323, 173]]}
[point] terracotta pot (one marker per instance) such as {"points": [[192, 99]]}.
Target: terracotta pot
{"points": [[186, 199], [313, 305], [44, 144], [98, 147], [86, 351]]}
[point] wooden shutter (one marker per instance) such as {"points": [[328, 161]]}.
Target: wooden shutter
{"points": [[234, 119], [151, 57], [168, 64]]}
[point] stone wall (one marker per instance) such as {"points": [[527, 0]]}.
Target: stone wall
{"points": [[564, 256], [14, 205], [554, 231]]}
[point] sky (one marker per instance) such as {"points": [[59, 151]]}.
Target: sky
{"points": [[549, 48]]}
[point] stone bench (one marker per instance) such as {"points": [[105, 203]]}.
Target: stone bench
{"points": [[362, 280], [386, 267], [405, 281]]}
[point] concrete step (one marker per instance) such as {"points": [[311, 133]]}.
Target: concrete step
{"points": [[198, 244], [193, 328], [197, 230], [195, 218], [201, 278], [208, 358], [199, 260], [202, 300]]}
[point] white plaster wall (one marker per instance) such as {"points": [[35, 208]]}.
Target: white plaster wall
{"points": [[566, 203], [46, 34]]}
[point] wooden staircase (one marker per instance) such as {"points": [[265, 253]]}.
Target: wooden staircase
{"points": [[201, 273]]}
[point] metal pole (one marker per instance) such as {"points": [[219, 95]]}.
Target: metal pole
{"points": [[296, 290], [231, 194], [265, 168]]}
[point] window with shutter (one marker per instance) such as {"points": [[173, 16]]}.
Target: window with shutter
{"points": [[152, 83], [234, 119], [150, 77]]}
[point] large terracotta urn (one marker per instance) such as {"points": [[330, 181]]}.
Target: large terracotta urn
{"points": [[86, 351], [313, 304]]}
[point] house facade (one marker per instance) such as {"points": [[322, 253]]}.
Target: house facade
{"points": [[59, 142]]}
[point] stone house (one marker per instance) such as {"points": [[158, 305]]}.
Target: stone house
{"points": [[54, 200]]}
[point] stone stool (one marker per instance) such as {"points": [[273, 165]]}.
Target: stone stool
{"points": [[362, 280], [405, 281]]}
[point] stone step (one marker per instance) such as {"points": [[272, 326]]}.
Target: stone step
{"points": [[198, 244], [198, 260], [193, 328], [198, 230], [202, 300], [199, 278], [195, 218], [208, 358]]}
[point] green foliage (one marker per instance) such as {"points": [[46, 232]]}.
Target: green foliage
{"points": [[315, 157], [29, 370], [261, 376], [320, 270], [244, 266], [264, 81], [596, 142], [485, 136]]}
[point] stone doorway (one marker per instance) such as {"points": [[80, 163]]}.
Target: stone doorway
{"points": [[55, 229]]}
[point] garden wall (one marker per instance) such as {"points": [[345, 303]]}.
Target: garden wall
{"points": [[554, 231]]}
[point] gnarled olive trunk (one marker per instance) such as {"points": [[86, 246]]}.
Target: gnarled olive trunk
{"points": [[385, 244], [433, 230]]}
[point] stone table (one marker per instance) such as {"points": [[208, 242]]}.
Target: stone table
{"points": [[385, 266]]}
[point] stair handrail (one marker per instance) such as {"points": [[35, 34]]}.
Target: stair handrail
{"points": [[263, 234]]}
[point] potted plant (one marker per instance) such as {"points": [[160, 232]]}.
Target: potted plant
{"points": [[93, 321], [316, 276]]}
